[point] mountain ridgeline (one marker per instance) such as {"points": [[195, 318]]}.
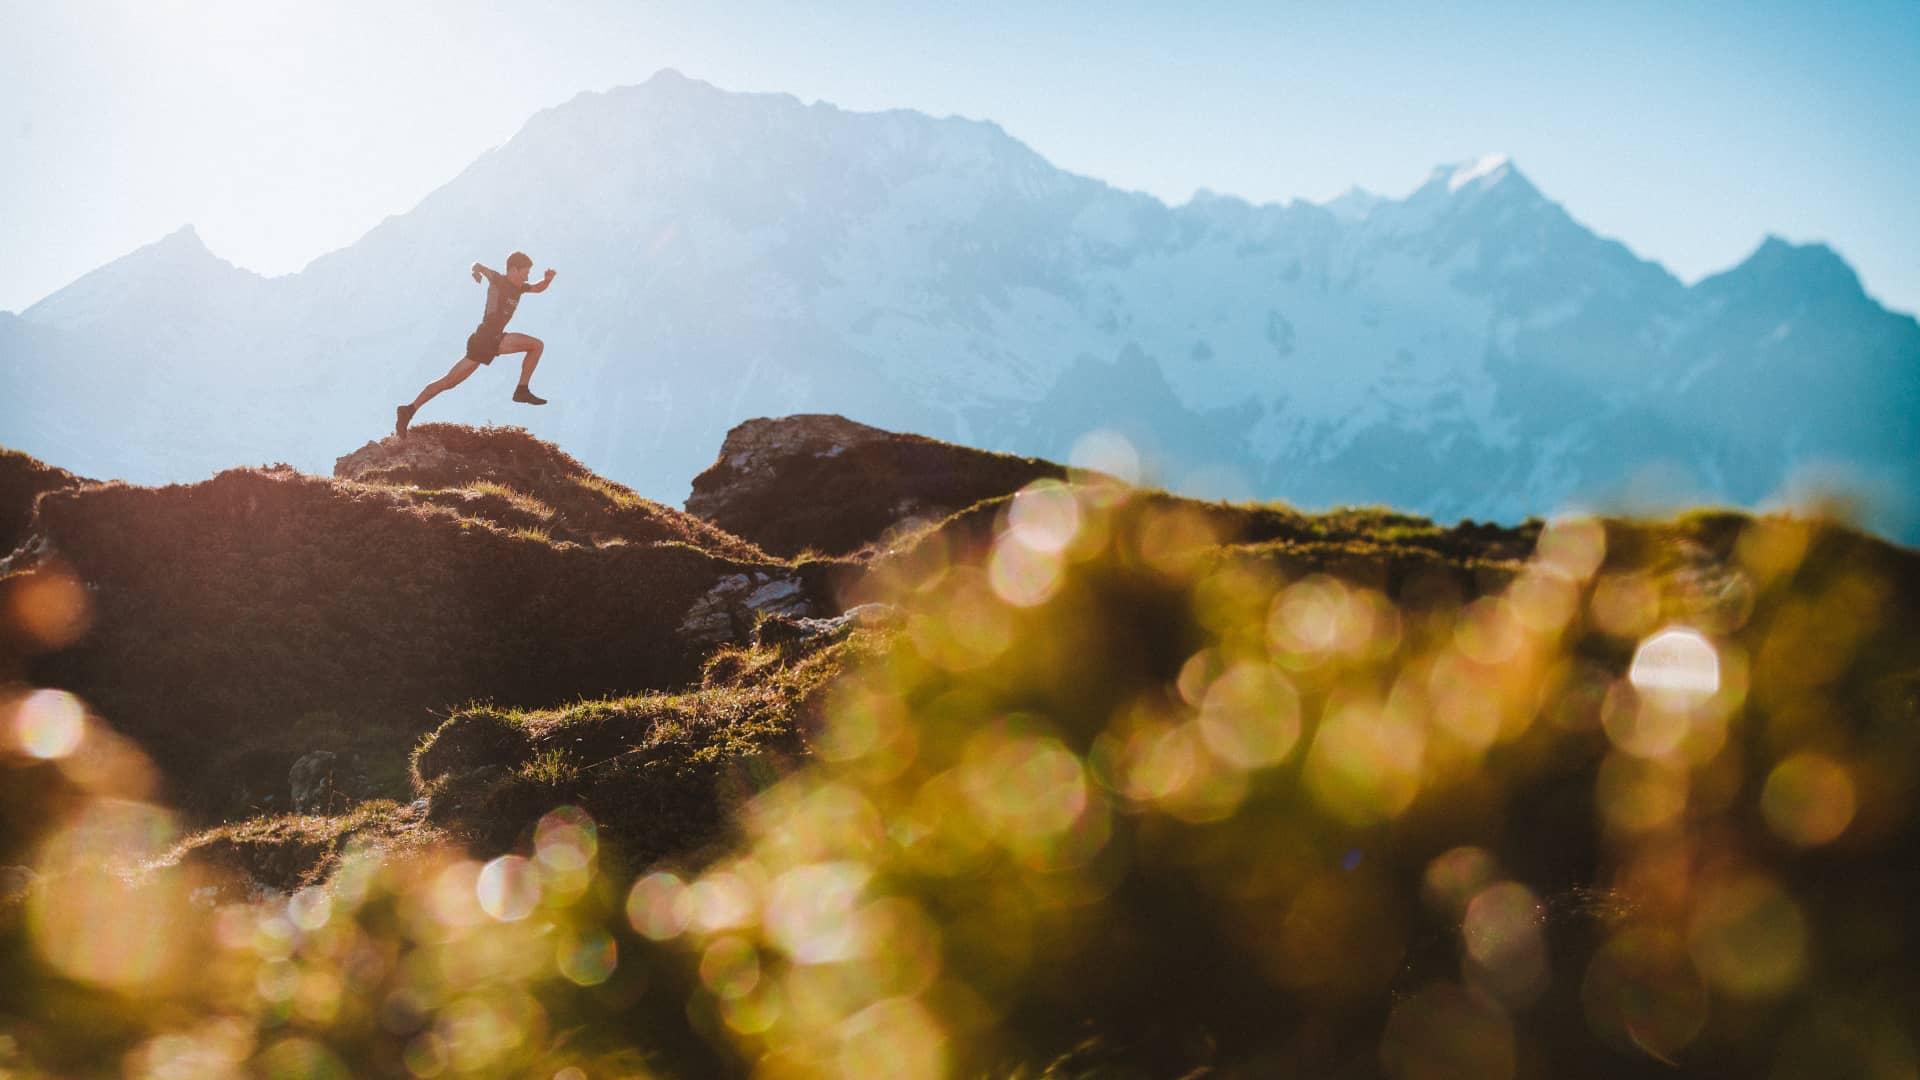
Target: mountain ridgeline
{"points": [[1470, 349]]}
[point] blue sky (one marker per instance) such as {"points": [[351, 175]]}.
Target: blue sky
{"points": [[286, 128]]}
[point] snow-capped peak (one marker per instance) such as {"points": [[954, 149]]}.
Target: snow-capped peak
{"points": [[1491, 169], [1464, 181]]}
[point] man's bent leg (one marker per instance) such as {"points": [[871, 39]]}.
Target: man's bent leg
{"points": [[533, 347]]}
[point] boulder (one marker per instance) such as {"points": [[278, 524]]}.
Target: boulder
{"points": [[323, 783], [829, 485], [728, 611]]}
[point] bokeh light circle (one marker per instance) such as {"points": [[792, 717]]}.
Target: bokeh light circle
{"points": [[1808, 800], [1677, 663], [508, 888], [49, 724]]}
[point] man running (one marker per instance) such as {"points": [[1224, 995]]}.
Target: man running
{"points": [[491, 339]]}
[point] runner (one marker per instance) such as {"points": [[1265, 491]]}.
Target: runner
{"points": [[490, 338]]}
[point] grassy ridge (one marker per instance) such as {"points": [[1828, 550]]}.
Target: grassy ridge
{"points": [[507, 475], [228, 615]]}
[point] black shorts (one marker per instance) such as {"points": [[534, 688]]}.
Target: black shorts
{"points": [[483, 345]]}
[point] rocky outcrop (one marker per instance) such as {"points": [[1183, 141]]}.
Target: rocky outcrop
{"points": [[756, 452], [323, 782], [827, 484], [416, 455], [736, 603]]}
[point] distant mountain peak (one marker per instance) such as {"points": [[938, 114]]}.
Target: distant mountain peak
{"points": [[184, 241], [1463, 179], [1801, 270], [1776, 254], [178, 260], [667, 87], [674, 80], [1775, 246], [1353, 204], [1486, 171]]}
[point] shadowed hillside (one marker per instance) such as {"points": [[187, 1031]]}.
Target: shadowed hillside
{"points": [[22, 480], [242, 622]]}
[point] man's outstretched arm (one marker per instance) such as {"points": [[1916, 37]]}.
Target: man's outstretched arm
{"points": [[544, 282], [492, 275]]}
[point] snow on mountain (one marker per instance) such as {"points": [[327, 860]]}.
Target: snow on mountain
{"points": [[1469, 349], [1486, 172]]}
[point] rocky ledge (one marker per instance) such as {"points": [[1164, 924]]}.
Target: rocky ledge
{"points": [[833, 486]]}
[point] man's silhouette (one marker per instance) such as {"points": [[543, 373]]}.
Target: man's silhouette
{"points": [[491, 339]]}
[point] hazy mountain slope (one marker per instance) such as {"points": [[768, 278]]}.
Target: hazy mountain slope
{"points": [[1470, 349]]}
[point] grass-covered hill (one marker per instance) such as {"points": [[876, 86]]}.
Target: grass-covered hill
{"points": [[22, 480], [1102, 782], [244, 621], [514, 480]]}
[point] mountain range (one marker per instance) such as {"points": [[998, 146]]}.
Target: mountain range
{"points": [[1469, 350]]}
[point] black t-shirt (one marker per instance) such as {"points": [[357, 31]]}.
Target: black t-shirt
{"points": [[503, 296]]}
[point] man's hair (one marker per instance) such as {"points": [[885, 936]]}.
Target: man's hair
{"points": [[519, 258]]}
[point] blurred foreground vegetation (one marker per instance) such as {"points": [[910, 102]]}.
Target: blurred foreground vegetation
{"points": [[1113, 793]]}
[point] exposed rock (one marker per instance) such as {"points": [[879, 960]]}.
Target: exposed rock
{"points": [[781, 629], [729, 610], [754, 452], [828, 484], [312, 780], [774, 595], [322, 783], [419, 454]]}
